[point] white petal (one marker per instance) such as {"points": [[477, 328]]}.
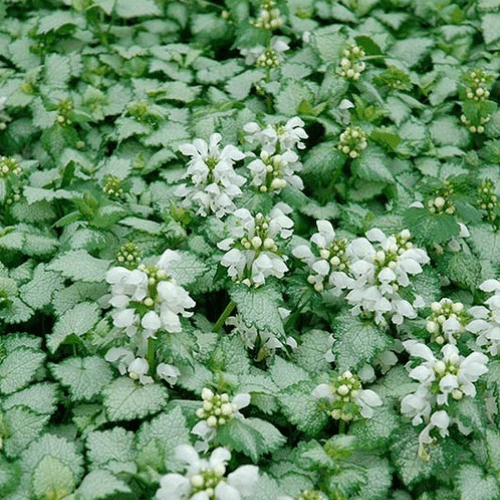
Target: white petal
{"points": [[225, 491], [241, 400], [244, 479], [219, 456]]}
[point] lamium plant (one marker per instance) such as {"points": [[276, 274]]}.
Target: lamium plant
{"points": [[249, 250]]}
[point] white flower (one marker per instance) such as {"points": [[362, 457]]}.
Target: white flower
{"points": [[271, 173], [486, 322], [277, 138], [150, 287], [205, 479], [214, 183], [439, 378], [439, 420], [253, 253], [138, 370], [278, 46], [170, 373], [216, 411], [345, 391]]}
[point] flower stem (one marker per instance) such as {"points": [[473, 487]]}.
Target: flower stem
{"points": [[225, 314], [150, 355], [342, 426]]}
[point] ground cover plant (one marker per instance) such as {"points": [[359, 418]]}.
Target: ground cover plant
{"points": [[249, 250]]}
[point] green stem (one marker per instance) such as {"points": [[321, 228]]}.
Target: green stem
{"points": [[150, 355], [225, 314], [330, 187], [342, 426]]}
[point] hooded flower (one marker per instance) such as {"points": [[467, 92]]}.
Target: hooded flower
{"points": [[213, 182], [205, 478]]}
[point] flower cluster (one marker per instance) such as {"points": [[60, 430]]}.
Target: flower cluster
{"points": [[269, 17], [278, 163], [216, 411], [205, 479], [138, 367], [476, 90], [9, 166], [352, 141], [145, 301], [329, 255], [379, 266], [442, 203], [213, 182], [477, 84], [113, 187], [253, 252], [447, 321], [267, 57], [351, 64], [451, 375], [475, 129], [373, 274], [277, 138], [65, 110], [129, 255], [347, 399], [486, 320], [488, 199]]}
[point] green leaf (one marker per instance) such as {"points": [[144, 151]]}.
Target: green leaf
{"points": [[100, 484], [231, 355], [446, 131], [10, 477], [474, 484], [237, 435], [311, 354], [378, 479], [125, 399], [57, 447], [429, 228], [410, 50], [18, 368], [323, 162], [405, 456], [85, 377], [493, 446], [292, 94], [272, 439], [286, 374], [266, 489], [77, 321], [372, 165], [375, 433], [485, 242], [40, 398], [328, 43], [168, 431], [39, 291], [113, 445], [188, 269], [357, 342], [259, 307], [301, 409], [462, 268], [386, 139], [490, 26], [23, 427], [80, 266], [240, 86], [51, 477], [127, 10], [57, 70]]}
